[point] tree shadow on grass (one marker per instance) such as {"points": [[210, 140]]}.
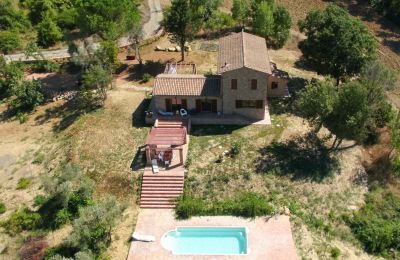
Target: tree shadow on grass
{"points": [[204, 130], [302, 158], [150, 67], [68, 113]]}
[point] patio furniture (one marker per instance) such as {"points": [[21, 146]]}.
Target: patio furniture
{"points": [[154, 165], [143, 238], [163, 113], [183, 112]]}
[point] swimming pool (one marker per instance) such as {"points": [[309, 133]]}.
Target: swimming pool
{"points": [[206, 241]]}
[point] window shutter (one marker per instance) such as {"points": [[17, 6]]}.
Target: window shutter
{"points": [[253, 84], [259, 104], [168, 105], [234, 84], [198, 105]]}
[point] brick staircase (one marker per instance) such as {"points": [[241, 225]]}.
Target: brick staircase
{"points": [[159, 190]]}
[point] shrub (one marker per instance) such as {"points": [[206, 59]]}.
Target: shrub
{"points": [[34, 248], [39, 200], [28, 95], [92, 230], [22, 117], [146, 77], [48, 33], [9, 41], [44, 66], [377, 223], [250, 205], [188, 207], [335, 252], [236, 148], [62, 217], [23, 183], [246, 204], [21, 220], [2, 208]]}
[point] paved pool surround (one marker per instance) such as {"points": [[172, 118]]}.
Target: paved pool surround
{"points": [[267, 238]]}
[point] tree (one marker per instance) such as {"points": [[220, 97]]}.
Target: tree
{"points": [[9, 41], [282, 25], [317, 101], [219, 21], [12, 19], [241, 11], [263, 20], [11, 75], [98, 79], [182, 22], [349, 111], [109, 19], [28, 95], [92, 230], [39, 9], [351, 114], [136, 36], [336, 43], [48, 32], [394, 133]]}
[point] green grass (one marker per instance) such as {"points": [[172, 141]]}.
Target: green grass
{"points": [[2, 208], [23, 183], [309, 191]]}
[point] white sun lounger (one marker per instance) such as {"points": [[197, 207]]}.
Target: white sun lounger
{"points": [[154, 165], [143, 238]]}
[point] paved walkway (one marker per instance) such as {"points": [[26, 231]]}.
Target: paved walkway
{"points": [[267, 239], [150, 29]]}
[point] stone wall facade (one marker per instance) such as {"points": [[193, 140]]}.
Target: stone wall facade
{"points": [[244, 92]]}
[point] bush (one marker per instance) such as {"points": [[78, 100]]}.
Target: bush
{"points": [[236, 148], [188, 207], [62, 217], [39, 158], [48, 33], [39, 200], [146, 77], [28, 95], [9, 41], [246, 204], [92, 230], [2, 208], [23, 183], [44, 66], [335, 252], [22, 117], [21, 220], [377, 223]]}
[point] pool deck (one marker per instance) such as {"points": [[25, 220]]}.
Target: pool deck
{"points": [[267, 238]]}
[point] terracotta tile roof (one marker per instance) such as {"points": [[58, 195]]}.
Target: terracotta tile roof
{"points": [[242, 49], [187, 85]]}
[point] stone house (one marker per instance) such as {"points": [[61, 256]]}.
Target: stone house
{"points": [[246, 78]]}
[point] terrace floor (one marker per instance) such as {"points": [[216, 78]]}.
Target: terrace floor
{"points": [[267, 238]]}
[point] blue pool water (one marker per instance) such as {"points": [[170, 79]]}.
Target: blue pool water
{"points": [[206, 240]]}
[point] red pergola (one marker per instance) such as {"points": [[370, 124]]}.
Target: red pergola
{"points": [[166, 136], [165, 140]]}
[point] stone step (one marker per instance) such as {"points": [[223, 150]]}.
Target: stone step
{"points": [[159, 195], [157, 203], [162, 182], [144, 192], [161, 189], [157, 199], [157, 206], [163, 185]]}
